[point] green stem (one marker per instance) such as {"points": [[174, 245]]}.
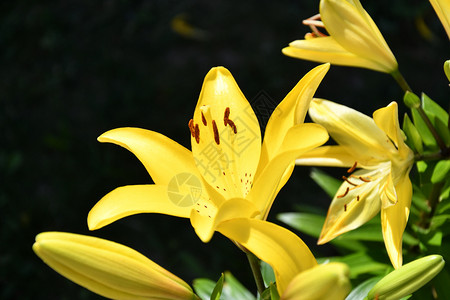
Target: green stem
{"points": [[401, 81], [256, 270]]}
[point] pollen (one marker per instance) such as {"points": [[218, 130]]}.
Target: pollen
{"points": [[191, 127]]}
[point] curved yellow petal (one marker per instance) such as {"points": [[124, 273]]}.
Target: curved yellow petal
{"points": [[442, 9], [135, 199], [205, 224], [350, 25], [107, 268], [162, 157], [326, 49], [394, 219], [298, 139], [326, 281], [291, 111], [226, 138], [330, 156], [356, 202], [354, 131], [277, 246]]}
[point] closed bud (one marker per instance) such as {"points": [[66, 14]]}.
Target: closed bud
{"points": [[109, 269], [411, 100], [326, 281], [447, 69], [407, 279]]}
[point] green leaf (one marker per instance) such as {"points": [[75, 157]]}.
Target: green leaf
{"points": [[267, 273], [217, 291], [328, 183], [425, 133], [441, 284], [361, 291], [203, 287], [413, 140], [443, 131], [440, 171], [367, 232], [433, 110], [274, 292], [310, 224], [233, 289]]}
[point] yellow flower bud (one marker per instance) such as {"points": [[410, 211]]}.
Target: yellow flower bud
{"points": [[107, 268]]}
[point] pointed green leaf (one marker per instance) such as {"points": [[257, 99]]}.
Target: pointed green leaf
{"points": [[413, 140], [203, 287], [267, 273], [310, 224], [440, 171], [361, 291], [425, 133], [217, 291], [434, 110], [443, 131], [328, 183], [233, 289], [274, 292]]}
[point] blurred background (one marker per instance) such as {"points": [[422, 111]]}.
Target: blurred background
{"points": [[71, 70]]}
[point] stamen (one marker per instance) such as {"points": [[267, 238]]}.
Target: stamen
{"points": [[364, 179], [232, 125], [348, 181], [197, 133], [345, 207], [203, 119], [352, 168], [191, 127], [226, 115], [345, 194], [313, 23], [357, 198], [216, 133]]}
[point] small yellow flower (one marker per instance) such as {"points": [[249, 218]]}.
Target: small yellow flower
{"points": [[298, 276], [442, 8], [107, 268], [354, 39], [375, 146], [229, 173]]}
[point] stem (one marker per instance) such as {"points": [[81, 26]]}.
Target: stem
{"points": [[428, 156], [427, 121], [256, 270], [401, 81]]}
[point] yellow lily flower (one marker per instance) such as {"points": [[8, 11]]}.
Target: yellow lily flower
{"points": [[228, 174], [297, 274], [354, 39], [442, 9], [109, 269], [375, 146]]}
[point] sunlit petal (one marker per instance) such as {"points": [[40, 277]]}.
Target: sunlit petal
{"points": [[162, 157], [135, 199], [394, 219], [226, 138], [333, 156], [277, 246], [442, 8], [386, 119]]}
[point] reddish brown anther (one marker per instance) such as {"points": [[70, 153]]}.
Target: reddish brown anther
{"points": [[364, 179], [191, 127], [204, 119], [345, 207], [216, 132], [232, 125], [353, 167], [197, 133], [226, 115]]}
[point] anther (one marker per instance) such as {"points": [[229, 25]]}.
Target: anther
{"points": [[348, 181], [364, 179], [216, 133], [357, 198], [204, 119], [352, 168], [345, 207], [191, 127], [226, 115], [232, 125], [345, 194], [197, 133]]}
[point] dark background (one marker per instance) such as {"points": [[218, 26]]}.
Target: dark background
{"points": [[70, 70]]}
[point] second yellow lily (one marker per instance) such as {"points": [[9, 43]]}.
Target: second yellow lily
{"points": [[376, 147], [229, 173]]}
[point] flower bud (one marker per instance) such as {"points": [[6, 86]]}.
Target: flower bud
{"points": [[107, 268], [411, 100], [408, 278]]}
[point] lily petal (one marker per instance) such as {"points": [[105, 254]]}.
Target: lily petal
{"points": [[327, 49], [291, 111], [353, 130], [386, 119], [162, 157], [277, 246], [356, 202], [394, 219], [134, 199], [226, 138], [107, 268], [205, 225], [354, 30], [442, 9], [332, 156], [298, 139]]}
